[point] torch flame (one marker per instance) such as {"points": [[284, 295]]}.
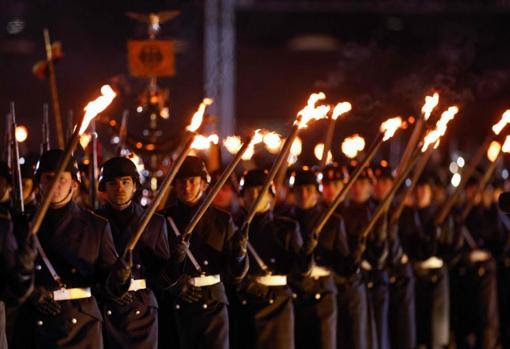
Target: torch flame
{"points": [[201, 142], [197, 118], [430, 103], [97, 106], [500, 125], [506, 145], [493, 151], [341, 108], [390, 126], [433, 137], [273, 142], [318, 151], [311, 112], [85, 140], [352, 145], [232, 144]]}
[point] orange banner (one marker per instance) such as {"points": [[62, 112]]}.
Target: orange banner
{"points": [[151, 58]]}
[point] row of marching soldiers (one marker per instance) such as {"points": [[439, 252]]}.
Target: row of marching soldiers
{"points": [[269, 284]]}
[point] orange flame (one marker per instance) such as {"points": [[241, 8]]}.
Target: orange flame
{"points": [[430, 103], [97, 106], [433, 137], [318, 151], [201, 142], [493, 151], [390, 126], [341, 108], [352, 145], [232, 144], [197, 118], [85, 140], [273, 142], [311, 112], [500, 125], [506, 145]]}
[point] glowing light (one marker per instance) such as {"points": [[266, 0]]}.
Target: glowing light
{"points": [[390, 126], [232, 144], [273, 142], [341, 108], [97, 106], [21, 133], [352, 145], [319, 150], [493, 151], [456, 178], [85, 140], [198, 117], [164, 113], [311, 112], [506, 145], [460, 161], [297, 147], [500, 125], [201, 142], [454, 168]]}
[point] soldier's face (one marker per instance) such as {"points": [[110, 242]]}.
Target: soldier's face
{"points": [[423, 195], [331, 189], [306, 196], [361, 190], [64, 191], [251, 194], [189, 190], [382, 188], [120, 190]]}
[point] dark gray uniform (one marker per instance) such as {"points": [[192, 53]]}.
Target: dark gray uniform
{"points": [[134, 324], [79, 244]]}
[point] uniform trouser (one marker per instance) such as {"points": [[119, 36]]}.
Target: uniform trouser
{"points": [[268, 323], [77, 326], [475, 304], [202, 325], [379, 298], [402, 313], [354, 329], [315, 320], [134, 325], [432, 307], [3, 336]]}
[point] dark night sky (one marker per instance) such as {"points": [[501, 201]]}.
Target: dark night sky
{"points": [[384, 62]]}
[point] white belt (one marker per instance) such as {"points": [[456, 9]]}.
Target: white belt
{"points": [[431, 263], [365, 265], [318, 272], [65, 294], [272, 280], [205, 280], [137, 284], [479, 256]]}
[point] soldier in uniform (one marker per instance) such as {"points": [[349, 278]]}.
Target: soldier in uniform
{"points": [[132, 321], [357, 212], [429, 249], [474, 274], [401, 279], [266, 312], [5, 187], [195, 277], [315, 305], [76, 252]]}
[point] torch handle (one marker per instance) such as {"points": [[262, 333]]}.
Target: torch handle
{"points": [[417, 134], [343, 193], [420, 167], [163, 190], [274, 169], [327, 141], [448, 205], [214, 191], [45, 204], [383, 206], [53, 89]]}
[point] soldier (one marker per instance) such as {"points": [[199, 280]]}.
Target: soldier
{"points": [[266, 313], [29, 190], [357, 212], [132, 322], [474, 275], [315, 305], [429, 248], [76, 252], [195, 278], [5, 187], [401, 279]]}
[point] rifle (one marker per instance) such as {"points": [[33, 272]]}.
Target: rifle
{"points": [[17, 184]]}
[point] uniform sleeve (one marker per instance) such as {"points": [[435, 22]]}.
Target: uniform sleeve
{"points": [[238, 267], [343, 260], [107, 253], [156, 259]]}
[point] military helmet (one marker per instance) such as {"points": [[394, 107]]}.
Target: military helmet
{"points": [[118, 167]]}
